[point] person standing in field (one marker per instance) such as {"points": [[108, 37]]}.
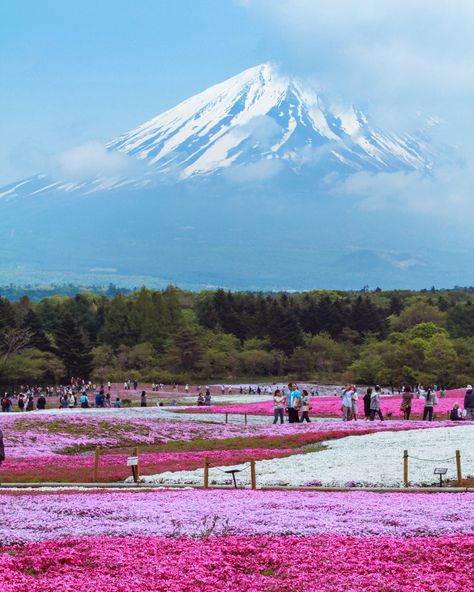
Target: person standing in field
{"points": [[30, 405], [407, 398], [367, 402], [293, 402], [375, 404], [278, 400], [430, 401], [41, 402], [469, 403], [347, 403], [354, 399], [143, 399], [305, 407]]}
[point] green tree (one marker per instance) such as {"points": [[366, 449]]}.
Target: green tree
{"points": [[185, 352], [414, 314], [72, 348], [115, 329], [33, 365], [38, 338], [440, 360]]}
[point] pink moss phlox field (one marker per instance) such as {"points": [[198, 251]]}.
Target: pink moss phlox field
{"points": [[26, 518], [42, 435], [331, 407], [169, 461], [328, 563]]}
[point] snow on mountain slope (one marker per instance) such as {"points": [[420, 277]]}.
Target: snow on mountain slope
{"points": [[258, 116]]}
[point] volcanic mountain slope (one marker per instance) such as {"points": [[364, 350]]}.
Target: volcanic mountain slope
{"points": [[258, 118]]}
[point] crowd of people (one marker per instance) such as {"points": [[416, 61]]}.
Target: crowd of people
{"points": [[292, 402], [288, 401], [295, 401]]}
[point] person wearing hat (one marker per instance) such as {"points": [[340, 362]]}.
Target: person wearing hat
{"points": [[469, 403]]}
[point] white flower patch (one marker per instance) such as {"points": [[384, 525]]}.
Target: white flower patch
{"points": [[374, 460]]}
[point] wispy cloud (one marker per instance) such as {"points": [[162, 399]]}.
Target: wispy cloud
{"points": [[404, 61], [92, 160]]}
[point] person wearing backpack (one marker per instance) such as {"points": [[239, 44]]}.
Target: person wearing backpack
{"points": [[469, 403], [5, 404], [30, 405], [407, 399]]}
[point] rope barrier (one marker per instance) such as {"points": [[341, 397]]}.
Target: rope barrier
{"points": [[432, 459]]}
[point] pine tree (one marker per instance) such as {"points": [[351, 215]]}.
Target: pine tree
{"points": [[73, 348], [185, 352], [284, 330], [38, 338], [115, 330], [7, 314]]}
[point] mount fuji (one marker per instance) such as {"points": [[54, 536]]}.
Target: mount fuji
{"points": [[232, 187], [258, 122]]}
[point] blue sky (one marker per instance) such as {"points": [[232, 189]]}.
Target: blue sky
{"points": [[75, 71]]}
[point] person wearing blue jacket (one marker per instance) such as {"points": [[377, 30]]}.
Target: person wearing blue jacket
{"points": [[99, 399], [293, 403]]}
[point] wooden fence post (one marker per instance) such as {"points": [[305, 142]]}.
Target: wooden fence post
{"points": [[245, 418], [227, 418], [206, 472], [137, 469], [458, 467], [405, 468], [96, 464], [253, 475]]}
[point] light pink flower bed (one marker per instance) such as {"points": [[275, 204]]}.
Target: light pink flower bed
{"points": [[331, 406], [237, 542]]}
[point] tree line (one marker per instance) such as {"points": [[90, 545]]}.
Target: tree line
{"points": [[173, 335]]}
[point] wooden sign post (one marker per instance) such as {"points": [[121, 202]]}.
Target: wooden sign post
{"points": [[96, 464], [206, 472], [458, 467], [253, 474], [405, 468]]}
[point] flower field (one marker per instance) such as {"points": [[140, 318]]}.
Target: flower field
{"points": [[60, 446], [237, 541], [331, 406], [229, 540]]}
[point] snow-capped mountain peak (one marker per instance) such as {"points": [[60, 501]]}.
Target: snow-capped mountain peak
{"points": [[262, 114], [258, 117]]}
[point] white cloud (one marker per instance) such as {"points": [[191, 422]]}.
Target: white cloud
{"points": [[261, 170], [448, 193], [92, 160], [404, 62]]}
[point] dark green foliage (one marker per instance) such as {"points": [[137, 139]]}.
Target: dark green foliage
{"points": [[170, 334], [38, 338], [72, 347]]}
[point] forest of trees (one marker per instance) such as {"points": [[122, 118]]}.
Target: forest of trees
{"points": [[172, 335]]}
